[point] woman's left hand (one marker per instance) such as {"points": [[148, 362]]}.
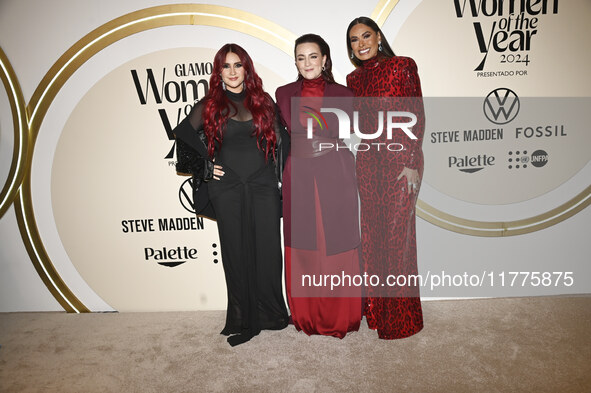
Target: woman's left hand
{"points": [[412, 178]]}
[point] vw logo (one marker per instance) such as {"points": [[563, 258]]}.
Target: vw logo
{"points": [[186, 195], [501, 106]]}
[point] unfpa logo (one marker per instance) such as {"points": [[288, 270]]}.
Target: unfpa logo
{"points": [[538, 159], [501, 106]]}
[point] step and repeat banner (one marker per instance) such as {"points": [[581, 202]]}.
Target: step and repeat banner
{"points": [[88, 161], [507, 92]]}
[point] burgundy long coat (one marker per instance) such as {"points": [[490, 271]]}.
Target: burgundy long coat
{"points": [[334, 176]]}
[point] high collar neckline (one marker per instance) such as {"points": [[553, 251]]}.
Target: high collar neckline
{"points": [[236, 96], [319, 81], [373, 62]]}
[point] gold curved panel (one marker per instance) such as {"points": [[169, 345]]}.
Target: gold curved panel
{"points": [[505, 228], [21, 139], [483, 228], [80, 52], [49, 275], [383, 10], [188, 14], [146, 19]]}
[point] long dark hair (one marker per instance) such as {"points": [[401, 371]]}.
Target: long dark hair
{"points": [[386, 49], [324, 51], [216, 111]]}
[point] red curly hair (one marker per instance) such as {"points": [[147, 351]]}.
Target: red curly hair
{"points": [[217, 106]]}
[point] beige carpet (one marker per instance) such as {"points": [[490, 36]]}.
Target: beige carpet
{"points": [[497, 345]]}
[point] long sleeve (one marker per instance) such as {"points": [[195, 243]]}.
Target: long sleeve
{"points": [[412, 89], [189, 129], [191, 148], [283, 139], [398, 78]]}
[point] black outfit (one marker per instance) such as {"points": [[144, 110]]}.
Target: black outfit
{"points": [[247, 207]]}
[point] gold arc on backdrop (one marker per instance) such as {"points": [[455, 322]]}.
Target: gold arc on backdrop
{"points": [[489, 228], [76, 56], [27, 128], [19, 123], [383, 10], [17, 175]]}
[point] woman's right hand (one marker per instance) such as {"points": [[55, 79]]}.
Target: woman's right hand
{"points": [[217, 171]]}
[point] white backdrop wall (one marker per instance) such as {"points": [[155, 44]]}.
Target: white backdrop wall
{"points": [[34, 34]]}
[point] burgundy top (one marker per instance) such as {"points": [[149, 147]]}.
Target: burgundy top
{"points": [[312, 88], [333, 173]]}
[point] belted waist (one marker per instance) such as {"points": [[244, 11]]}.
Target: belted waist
{"points": [[303, 147]]}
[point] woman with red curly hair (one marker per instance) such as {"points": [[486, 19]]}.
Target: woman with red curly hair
{"points": [[235, 126]]}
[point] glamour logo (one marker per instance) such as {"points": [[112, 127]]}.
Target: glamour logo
{"points": [[169, 91], [501, 106], [166, 91]]}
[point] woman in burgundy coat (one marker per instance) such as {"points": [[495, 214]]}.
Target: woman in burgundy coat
{"points": [[320, 200], [389, 181]]}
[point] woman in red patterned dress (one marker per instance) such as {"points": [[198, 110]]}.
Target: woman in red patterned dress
{"points": [[388, 180]]}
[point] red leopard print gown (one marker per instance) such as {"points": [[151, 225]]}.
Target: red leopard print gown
{"points": [[388, 235]]}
